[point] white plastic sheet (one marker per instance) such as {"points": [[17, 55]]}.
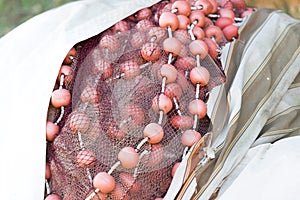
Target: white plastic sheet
{"points": [[268, 171]]}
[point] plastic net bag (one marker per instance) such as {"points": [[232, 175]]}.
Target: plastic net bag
{"points": [[135, 108]]}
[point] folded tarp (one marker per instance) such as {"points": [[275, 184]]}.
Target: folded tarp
{"points": [[257, 106]]}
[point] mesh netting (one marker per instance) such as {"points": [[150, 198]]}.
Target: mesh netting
{"points": [[110, 109]]}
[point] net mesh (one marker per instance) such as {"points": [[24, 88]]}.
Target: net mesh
{"points": [[109, 110]]}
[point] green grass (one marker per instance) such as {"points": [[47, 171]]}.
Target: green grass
{"points": [[15, 12]]}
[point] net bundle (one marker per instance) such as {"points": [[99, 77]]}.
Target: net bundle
{"points": [[116, 87]]}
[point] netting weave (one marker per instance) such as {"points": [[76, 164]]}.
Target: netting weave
{"points": [[110, 108]]}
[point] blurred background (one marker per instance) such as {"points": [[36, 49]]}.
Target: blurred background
{"points": [[15, 12]]}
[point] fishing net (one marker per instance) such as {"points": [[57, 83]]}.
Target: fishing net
{"points": [[114, 90]]}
